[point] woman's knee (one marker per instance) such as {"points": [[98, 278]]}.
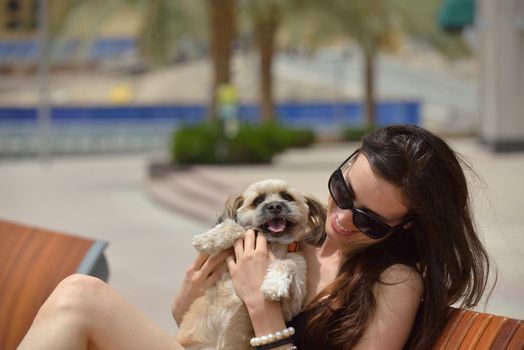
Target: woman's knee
{"points": [[75, 295], [78, 283]]}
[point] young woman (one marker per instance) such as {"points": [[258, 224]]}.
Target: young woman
{"points": [[399, 247]]}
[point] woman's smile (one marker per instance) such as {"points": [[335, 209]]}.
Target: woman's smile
{"points": [[339, 228]]}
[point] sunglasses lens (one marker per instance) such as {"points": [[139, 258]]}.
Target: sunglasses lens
{"points": [[368, 225], [339, 191]]}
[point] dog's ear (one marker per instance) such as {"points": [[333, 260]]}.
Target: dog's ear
{"points": [[316, 221], [230, 208]]}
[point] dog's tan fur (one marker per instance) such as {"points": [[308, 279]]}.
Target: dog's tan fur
{"points": [[219, 319]]}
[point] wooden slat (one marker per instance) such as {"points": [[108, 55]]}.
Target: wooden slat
{"points": [[505, 334], [463, 327], [32, 263], [490, 333], [471, 330], [517, 341], [475, 332], [452, 323]]}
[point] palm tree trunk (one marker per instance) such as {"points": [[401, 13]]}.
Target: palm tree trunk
{"points": [[369, 83], [152, 42], [222, 31], [265, 33]]}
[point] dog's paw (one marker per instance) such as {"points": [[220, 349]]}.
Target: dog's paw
{"points": [[220, 237], [204, 244], [275, 289]]}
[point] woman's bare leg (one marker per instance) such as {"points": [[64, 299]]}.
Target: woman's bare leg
{"points": [[84, 313]]}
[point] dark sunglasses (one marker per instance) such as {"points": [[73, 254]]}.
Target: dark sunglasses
{"points": [[364, 221]]}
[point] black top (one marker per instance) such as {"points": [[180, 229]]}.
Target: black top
{"points": [[299, 323]]}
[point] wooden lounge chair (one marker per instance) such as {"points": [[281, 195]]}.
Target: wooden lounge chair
{"points": [[467, 329], [32, 262]]}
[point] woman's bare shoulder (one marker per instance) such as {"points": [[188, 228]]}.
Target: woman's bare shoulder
{"points": [[402, 277], [398, 295]]}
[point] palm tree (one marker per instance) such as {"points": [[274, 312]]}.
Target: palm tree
{"points": [[162, 24], [375, 25], [369, 23], [222, 27], [265, 17], [165, 24]]}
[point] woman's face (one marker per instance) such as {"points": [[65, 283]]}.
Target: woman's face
{"points": [[373, 194]]}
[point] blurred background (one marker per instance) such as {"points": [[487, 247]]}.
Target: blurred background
{"points": [[103, 101], [121, 75]]}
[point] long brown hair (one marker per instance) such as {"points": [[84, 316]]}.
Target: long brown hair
{"points": [[442, 243]]}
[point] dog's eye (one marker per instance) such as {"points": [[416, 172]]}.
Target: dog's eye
{"points": [[259, 200], [286, 196]]}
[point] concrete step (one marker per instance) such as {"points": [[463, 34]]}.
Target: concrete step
{"points": [[193, 193]]}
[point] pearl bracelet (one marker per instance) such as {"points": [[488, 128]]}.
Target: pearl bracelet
{"points": [[270, 338]]}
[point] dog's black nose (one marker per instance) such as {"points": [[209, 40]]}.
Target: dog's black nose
{"points": [[274, 207]]}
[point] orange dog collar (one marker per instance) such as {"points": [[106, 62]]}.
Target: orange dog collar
{"points": [[293, 247]]}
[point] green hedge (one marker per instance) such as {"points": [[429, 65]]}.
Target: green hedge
{"points": [[205, 143], [356, 133]]}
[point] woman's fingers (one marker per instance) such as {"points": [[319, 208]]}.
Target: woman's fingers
{"points": [[231, 258], [200, 260], [214, 260], [249, 240], [231, 263], [261, 242], [238, 247]]}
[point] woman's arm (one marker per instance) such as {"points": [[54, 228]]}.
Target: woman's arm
{"points": [[397, 301], [201, 275]]}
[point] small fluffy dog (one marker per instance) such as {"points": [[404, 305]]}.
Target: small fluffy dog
{"points": [[219, 319]]}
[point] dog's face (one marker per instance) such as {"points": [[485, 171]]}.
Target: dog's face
{"points": [[280, 212]]}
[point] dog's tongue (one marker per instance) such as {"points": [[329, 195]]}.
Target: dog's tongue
{"points": [[277, 225]]}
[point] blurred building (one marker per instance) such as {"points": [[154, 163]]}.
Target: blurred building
{"points": [[80, 34], [501, 34], [18, 17], [500, 29]]}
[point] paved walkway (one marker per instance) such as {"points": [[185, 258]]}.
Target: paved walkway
{"points": [[149, 222]]}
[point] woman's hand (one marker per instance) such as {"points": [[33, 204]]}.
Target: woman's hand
{"points": [[249, 266], [247, 272], [201, 275]]}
